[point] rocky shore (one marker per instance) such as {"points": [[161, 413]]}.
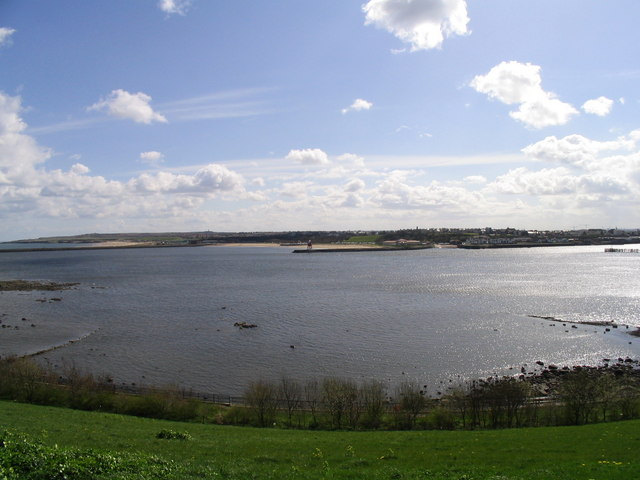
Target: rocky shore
{"points": [[27, 286]]}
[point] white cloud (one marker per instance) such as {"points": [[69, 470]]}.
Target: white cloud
{"points": [[475, 179], [20, 155], [583, 181], [172, 7], [358, 105], [236, 103], [152, 158], [355, 185], [296, 190], [578, 150], [351, 160], [603, 175], [208, 180], [5, 35], [520, 83], [555, 181], [308, 156], [79, 169], [27, 187], [397, 191], [421, 23], [134, 106], [600, 106]]}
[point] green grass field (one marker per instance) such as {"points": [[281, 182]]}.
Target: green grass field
{"points": [[599, 452], [363, 238]]}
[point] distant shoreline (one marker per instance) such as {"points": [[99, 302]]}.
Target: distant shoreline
{"points": [[321, 247], [122, 245], [91, 246]]}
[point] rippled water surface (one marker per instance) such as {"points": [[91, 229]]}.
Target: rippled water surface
{"points": [[166, 316]]}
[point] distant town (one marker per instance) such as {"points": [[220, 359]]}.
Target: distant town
{"points": [[443, 237]]}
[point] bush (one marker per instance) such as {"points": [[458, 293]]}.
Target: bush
{"points": [[21, 379], [579, 394], [441, 418], [22, 458], [166, 434], [237, 416], [152, 406]]}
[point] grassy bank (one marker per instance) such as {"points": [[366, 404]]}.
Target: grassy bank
{"points": [[603, 451]]}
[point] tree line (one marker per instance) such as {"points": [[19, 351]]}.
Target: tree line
{"points": [[568, 396]]}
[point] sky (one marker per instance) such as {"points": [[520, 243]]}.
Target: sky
{"points": [[272, 115]]}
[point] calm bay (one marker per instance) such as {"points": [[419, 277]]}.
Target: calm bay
{"points": [[166, 316]]}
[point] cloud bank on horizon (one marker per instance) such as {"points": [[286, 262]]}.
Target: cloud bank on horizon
{"points": [[195, 118]]}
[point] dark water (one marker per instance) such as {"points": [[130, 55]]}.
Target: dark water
{"points": [[166, 316]]}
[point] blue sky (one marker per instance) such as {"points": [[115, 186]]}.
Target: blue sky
{"points": [[171, 115]]}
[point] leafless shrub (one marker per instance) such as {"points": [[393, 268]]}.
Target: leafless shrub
{"points": [[312, 398], [290, 393], [262, 398], [411, 402], [340, 397], [373, 399]]}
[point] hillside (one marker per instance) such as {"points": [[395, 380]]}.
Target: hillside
{"points": [[604, 451]]}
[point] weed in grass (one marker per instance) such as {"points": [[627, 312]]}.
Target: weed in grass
{"points": [[350, 451], [390, 455]]}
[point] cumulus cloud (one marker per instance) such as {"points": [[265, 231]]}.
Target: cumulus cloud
{"points": [[20, 155], [548, 181], [133, 106], [579, 180], [354, 185], [28, 187], [5, 35], [600, 106], [172, 7], [423, 24], [152, 158], [592, 172], [397, 191], [308, 156], [296, 190], [358, 105], [578, 150], [521, 83], [351, 160], [210, 179], [475, 179]]}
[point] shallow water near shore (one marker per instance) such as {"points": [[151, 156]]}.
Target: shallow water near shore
{"points": [[166, 316]]}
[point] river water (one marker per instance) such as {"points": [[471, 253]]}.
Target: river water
{"points": [[166, 316]]}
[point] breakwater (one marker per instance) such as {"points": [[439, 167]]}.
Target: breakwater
{"points": [[361, 249]]}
